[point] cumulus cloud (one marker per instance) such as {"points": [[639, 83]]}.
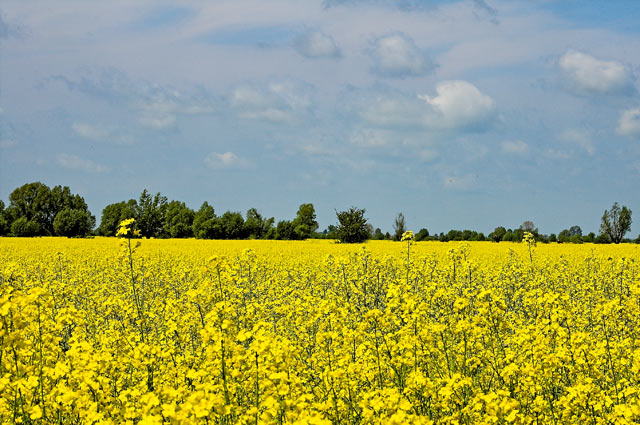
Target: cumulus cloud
{"points": [[227, 160], [629, 123], [460, 105], [278, 102], [76, 163], [316, 44], [586, 74], [457, 106], [396, 55], [517, 147]]}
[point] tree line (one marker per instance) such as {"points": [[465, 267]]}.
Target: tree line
{"points": [[36, 210]]}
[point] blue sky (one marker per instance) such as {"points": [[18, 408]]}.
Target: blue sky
{"points": [[460, 114]]}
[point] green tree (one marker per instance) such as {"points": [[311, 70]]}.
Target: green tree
{"points": [[616, 222], [399, 227], [73, 222], [231, 225], [564, 236], [498, 234], [31, 201], [150, 213], [352, 226], [575, 231], [178, 220], [113, 214], [422, 235], [378, 235], [204, 222], [4, 223], [256, 226], [305, 222], [24, 227], [284, 230]]}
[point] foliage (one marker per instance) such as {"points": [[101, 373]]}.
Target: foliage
{"points": [[113, 214], [23, 227], [616, 222], [498, 234], [150, 213], [352, 226], [305, 222], [73, 222], [422, 235], [178, 220], [204, 222], [399, 227]]}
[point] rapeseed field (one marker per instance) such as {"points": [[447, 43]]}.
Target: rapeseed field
{"points": [[129, 331]]}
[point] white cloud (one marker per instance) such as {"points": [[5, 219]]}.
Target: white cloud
{"points": [[219, 161], [396, 55], [581, 138], [517, 147], [89, 132], [316, 44], [76, 163], [7, 143], [629, 123], [459, 104], [587, 74], [279, 102]]}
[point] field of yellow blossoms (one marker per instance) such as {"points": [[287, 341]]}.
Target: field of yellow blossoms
{"points": [[114, 331]]}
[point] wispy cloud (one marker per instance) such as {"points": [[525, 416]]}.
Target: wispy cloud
{"points": [[517, 147], [74, 162], [278, 102]]}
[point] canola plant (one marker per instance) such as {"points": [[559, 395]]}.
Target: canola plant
{"points": [[128, 331]]}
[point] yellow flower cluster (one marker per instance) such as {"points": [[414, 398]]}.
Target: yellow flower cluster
{"points": [[312, 332]]}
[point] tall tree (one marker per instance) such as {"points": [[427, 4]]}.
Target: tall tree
{"points": [[256, 226], [178, 220], [616, 222], [399, 227], [73, 222], [150, 212], [204, 222], [305, 222], [32, 201]]}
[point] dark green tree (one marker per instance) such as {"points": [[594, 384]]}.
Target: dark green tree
{"points": [[72, 222], [399, 227], [616, 222], [352, 226], [575, 231], [178, 220], [378, 235], [284, 230], [564, 236], [422, 235], [4, 223], [31, 201], [150, 213], [23, 227], [256, 226], [231, 225], [204, 222], [498, 234], [113, 214], [305, 222]]}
